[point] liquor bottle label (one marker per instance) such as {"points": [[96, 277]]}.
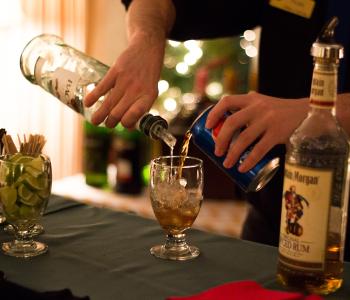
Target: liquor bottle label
{"points": [[323, 89], [61, 83], [124, 170], [304, 218]]}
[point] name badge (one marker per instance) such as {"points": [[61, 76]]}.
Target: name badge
{"points": [[302, 8]]}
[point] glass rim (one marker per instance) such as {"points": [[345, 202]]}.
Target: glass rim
{"points": [[8, 162], [156, 161]]}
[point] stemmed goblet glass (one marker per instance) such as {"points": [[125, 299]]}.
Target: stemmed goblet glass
{"points": [[25, 187], [176, 191]]}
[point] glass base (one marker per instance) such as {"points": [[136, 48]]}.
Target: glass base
{"points": [[24, 249], [161, 251], [36, 230]]}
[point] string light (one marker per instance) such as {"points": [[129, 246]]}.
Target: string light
{"points": [[214, 89], [243, 43], [174, 44], [163, 86], [249, 35], [196, 52], [174, 92], [189, 98], [170, 104], [182, 68], [192, 44], [251, 51], [190, 59], [169, 62]]}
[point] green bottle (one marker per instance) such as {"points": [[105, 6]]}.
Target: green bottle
{"points": [[129, 155], [96, 145]]}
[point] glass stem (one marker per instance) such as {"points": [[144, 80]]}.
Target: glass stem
{"points": [[23, 236], [176, 242]]}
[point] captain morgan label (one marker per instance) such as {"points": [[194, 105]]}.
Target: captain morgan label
{"points": [[304, 219]]}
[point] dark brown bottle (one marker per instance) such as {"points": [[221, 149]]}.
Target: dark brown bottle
{"points": [[128, 157]]}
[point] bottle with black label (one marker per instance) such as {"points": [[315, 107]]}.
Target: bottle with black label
{"points": [[316, 183]]}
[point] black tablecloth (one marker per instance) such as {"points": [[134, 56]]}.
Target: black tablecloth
{"points": [[105, 255]]}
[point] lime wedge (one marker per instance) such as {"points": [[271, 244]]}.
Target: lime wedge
{"points": [[21, 179], [19, 158], [36, 163], [32, 201], [24, 192], [32, 171], [34, 183], [8, 196]]}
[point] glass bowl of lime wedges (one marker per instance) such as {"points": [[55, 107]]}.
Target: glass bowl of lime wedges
{"points": [[25, 188]]}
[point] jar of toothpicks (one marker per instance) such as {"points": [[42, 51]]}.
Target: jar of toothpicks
{"points": [[31, 145]]}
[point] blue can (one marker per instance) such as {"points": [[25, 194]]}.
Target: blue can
{"points": [[251, 181]]}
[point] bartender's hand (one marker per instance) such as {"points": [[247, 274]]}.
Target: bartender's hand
{"points": [[131, 84], [268, 119], [343, 111]]}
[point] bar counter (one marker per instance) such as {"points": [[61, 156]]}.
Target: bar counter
{"points": [[104, 254]]}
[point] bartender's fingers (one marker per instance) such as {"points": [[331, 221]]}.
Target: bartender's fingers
{"points": [[230, 128], [116, 114], [136, 111], [243, 141], [132, 106], [101, 89], [106, 107], [226, 103], [258, 152]]}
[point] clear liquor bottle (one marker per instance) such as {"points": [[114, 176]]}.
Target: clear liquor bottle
{"points": [[69, 75], [316, 183], [63, 71]]}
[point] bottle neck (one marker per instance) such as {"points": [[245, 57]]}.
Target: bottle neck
{"points": [[156, 128], [324, 86]]}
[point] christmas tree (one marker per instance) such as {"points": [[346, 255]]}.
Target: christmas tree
{"points": [[198, 69]]}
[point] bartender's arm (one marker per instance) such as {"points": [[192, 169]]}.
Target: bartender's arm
{"points": [[131, 84]]}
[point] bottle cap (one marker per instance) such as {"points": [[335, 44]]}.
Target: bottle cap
{"points": [[327, 51], [325, 45]]}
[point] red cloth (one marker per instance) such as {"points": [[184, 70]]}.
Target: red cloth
{"points": [[244, 290]]}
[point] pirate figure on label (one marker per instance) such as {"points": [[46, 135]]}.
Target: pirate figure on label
{"points": [[294, 208]]}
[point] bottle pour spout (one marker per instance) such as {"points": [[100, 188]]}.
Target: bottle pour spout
{"points": [[326, 35], [325, 46], [156, 128]]}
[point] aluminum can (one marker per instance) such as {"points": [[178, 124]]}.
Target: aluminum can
{"points": [[251, 181]]}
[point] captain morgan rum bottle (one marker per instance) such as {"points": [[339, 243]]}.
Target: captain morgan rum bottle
{"points": [[315, 191]]}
